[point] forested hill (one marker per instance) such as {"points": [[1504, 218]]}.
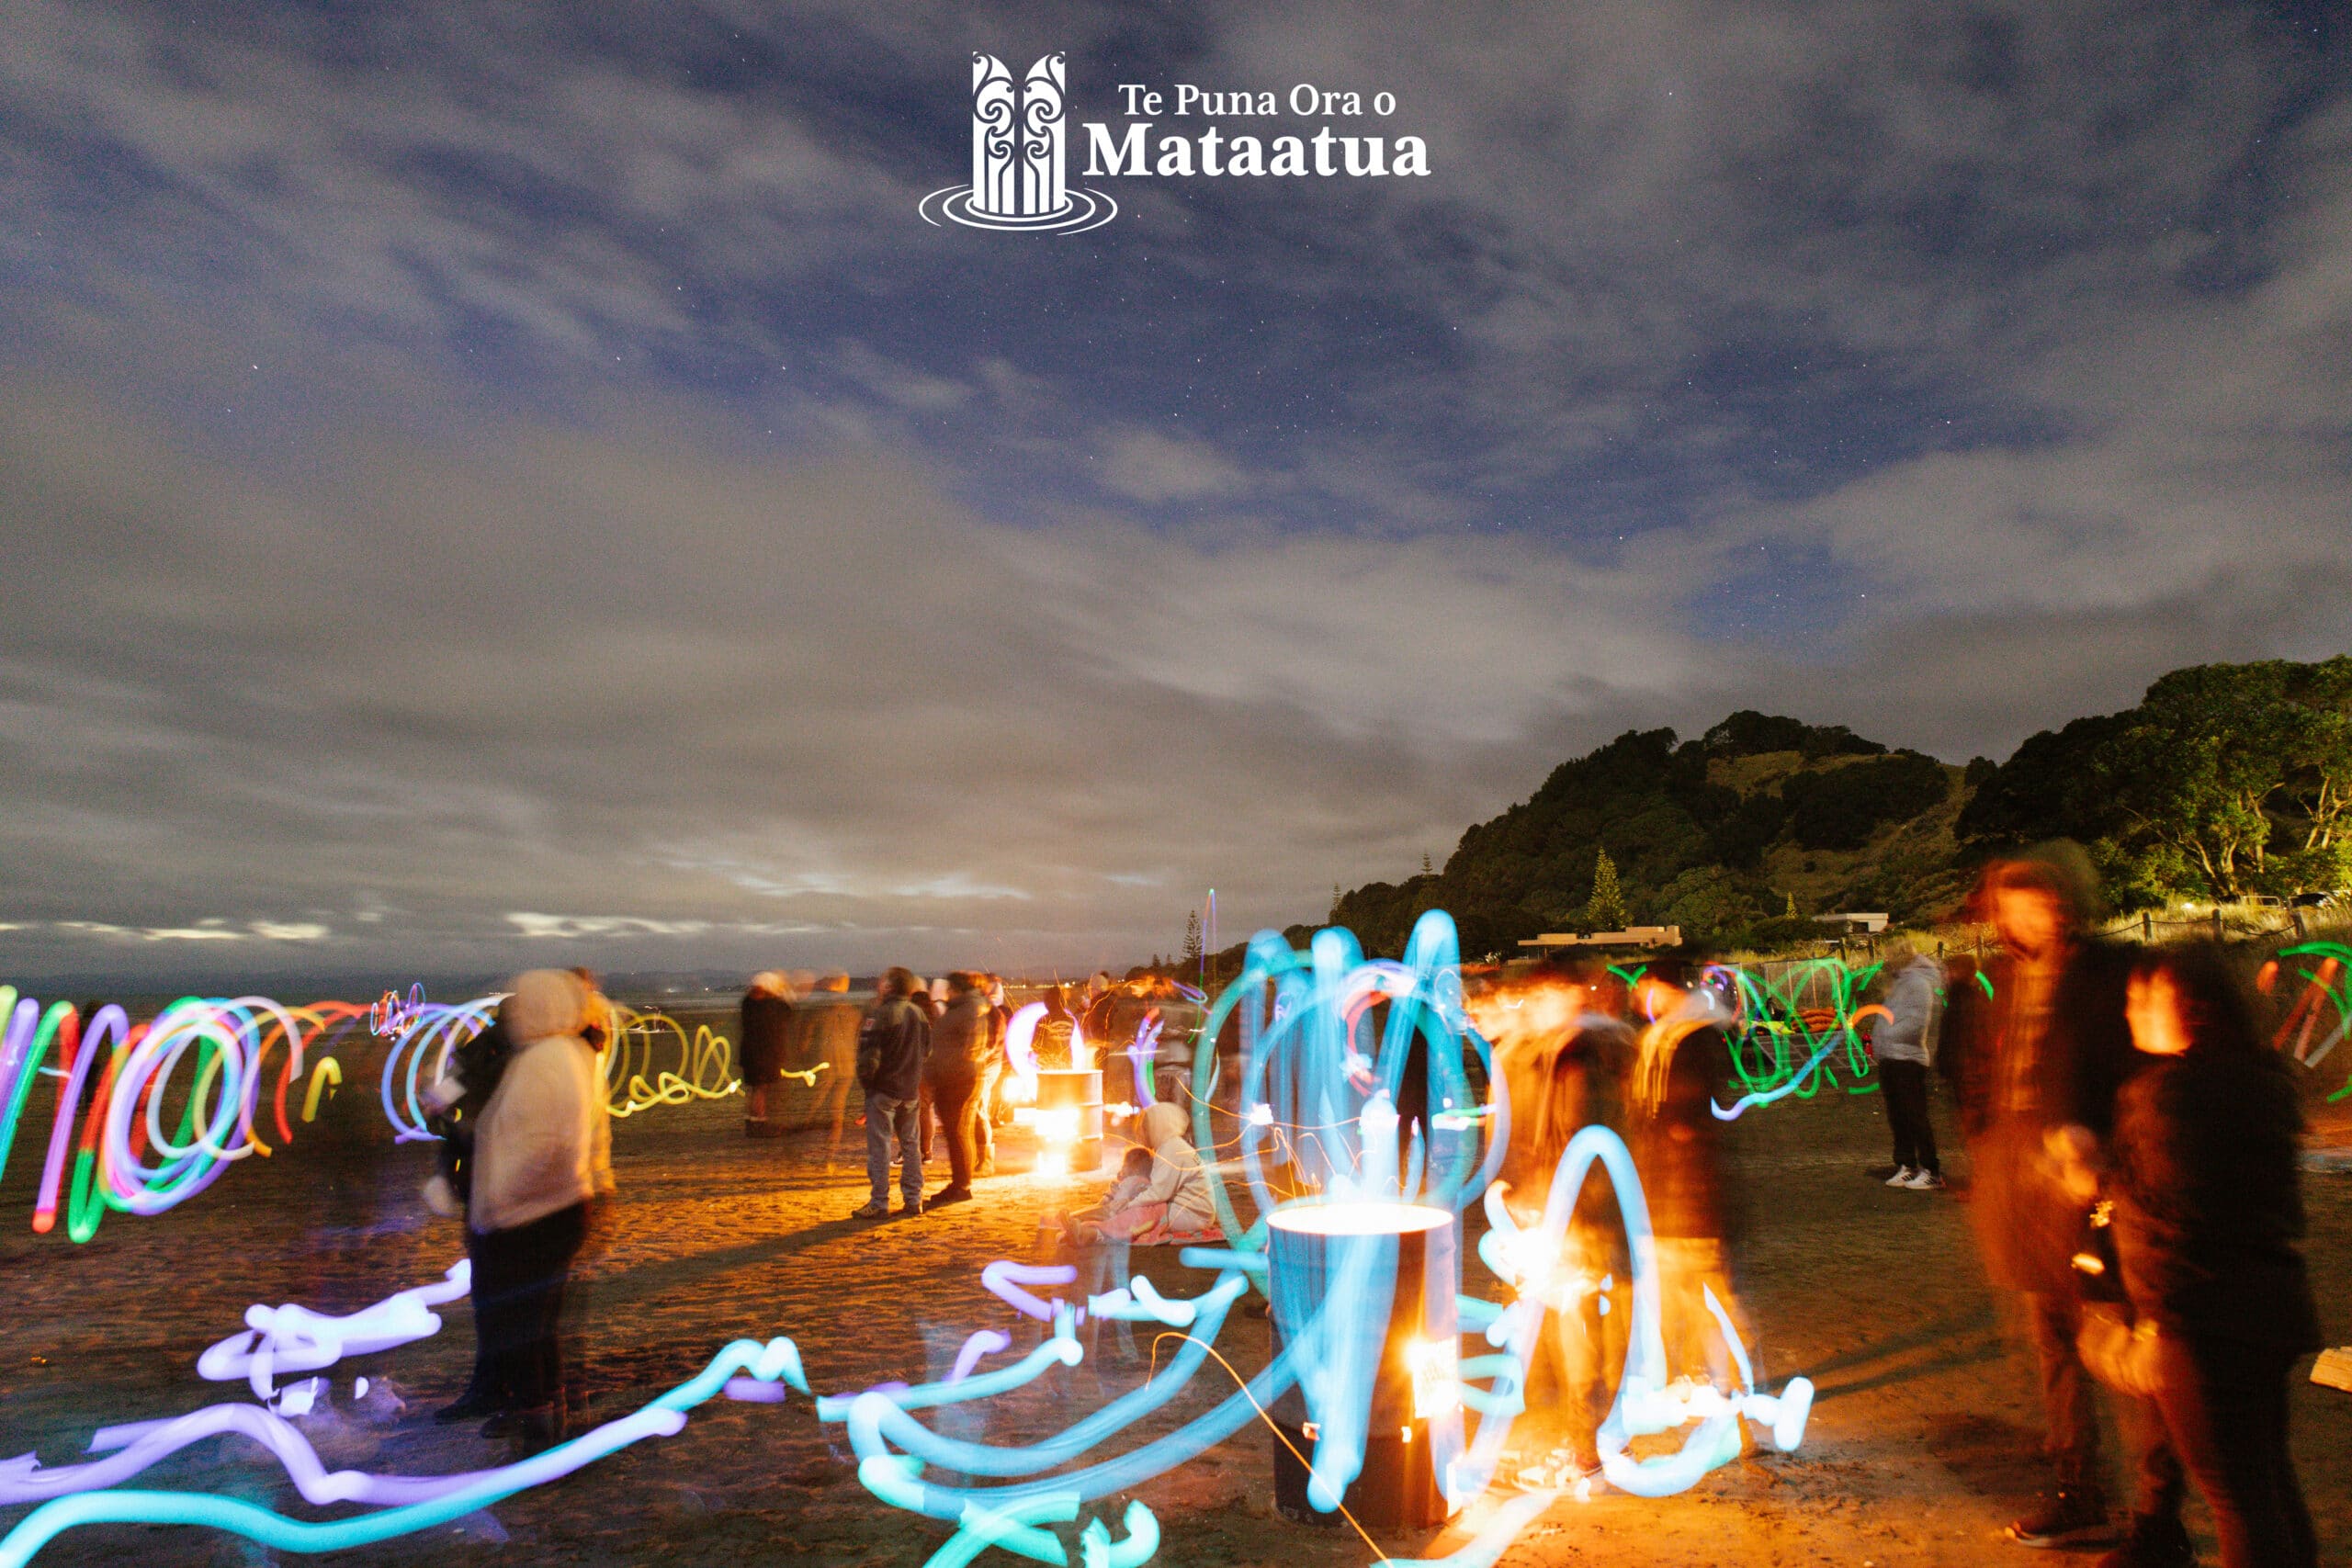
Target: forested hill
{"points": [[1714, 834], [2226, 779]]}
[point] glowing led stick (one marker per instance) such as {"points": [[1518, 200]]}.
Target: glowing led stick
{"points": [[434, 1031], [296, 1339], [327, 1072], [702, 1066], [1004, 1278], [1765, 1097], [1058, 1351], [1128, 1470], [1010, 1527], [1139, 1303], [1793, 1085], [983, 1342], [1020, 1048], [1141, 1053], [663, 1417]]}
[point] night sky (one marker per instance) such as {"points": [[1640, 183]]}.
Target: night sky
{"points": [[491, 484]]}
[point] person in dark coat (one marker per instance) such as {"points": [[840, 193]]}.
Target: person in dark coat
{"points": [[960, 1042], [1051, 1040], [2037, 1043], [2208, 1209], [766, 1035], [455, 1102], [892, 1043]]}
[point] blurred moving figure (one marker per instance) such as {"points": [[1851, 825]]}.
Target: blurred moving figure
{"points": [[766, 1034], [1676, 1142], [990, 1107], [2208, 1209], [534, 1176], [1563, 1070], [454, 1103], [927, 1002], [1903, 1043], [597, 1031], [1050, 1041], [2045, 1049], [960, 1041], [892, 1043]]}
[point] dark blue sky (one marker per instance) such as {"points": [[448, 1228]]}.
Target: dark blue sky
{"points": [[484, 471]]}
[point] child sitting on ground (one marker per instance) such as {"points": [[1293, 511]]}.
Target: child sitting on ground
{"points": [[1088, 1225], [1172, 1209]]}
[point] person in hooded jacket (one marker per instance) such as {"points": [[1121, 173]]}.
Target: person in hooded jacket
{"points": [[533, 1177], [2207, 1210], [1174, 1208], [892, 1043], [1903, 1043]]}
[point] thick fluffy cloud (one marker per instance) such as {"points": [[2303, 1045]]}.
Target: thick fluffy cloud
{"points": [[483, 492], [608, 685]]}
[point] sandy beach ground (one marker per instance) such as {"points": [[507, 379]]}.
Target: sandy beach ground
{"points": [[1922, 1445]]}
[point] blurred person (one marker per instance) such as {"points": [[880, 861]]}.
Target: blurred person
{"points": [[2203, 1171], [1051, 1041], [533, 1177], [454, 1104], [599, 1029], [766, 1034], [926, 1000], [1903, 1043], [988, 1106], [2046, 1049], [1563, 1070], [892, 1043], [959, 1046], [1679, 1060]]}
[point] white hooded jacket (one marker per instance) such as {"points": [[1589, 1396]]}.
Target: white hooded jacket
{"points": [[1177, 1179], [534, 1151]]}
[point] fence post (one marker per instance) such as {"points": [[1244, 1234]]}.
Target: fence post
{"points": [[2147, 926], [2295, 919], [2217, 922]]}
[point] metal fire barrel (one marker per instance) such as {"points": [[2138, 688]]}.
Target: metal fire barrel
{"points": [[1415, 1387], [1066, 1096]]}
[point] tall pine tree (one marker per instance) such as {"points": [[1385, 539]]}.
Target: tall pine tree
{"points": [[1605, 911], [1192, 938]]}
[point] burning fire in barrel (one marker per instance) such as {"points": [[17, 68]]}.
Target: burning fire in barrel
{"points": [[1363, 1296]]}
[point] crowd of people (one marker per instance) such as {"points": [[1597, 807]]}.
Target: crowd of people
{"points": [[2131, 1153], [2133, 1144]]}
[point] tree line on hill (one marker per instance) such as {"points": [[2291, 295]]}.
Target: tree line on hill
{"points": [[2225, 780]]}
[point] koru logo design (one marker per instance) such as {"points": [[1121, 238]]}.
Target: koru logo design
{"points": [[1019, 158]]}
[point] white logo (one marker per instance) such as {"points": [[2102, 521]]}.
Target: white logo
{"points": [[1018, 163]]}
